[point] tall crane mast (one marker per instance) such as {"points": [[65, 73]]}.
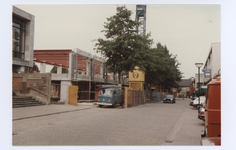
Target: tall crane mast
{"points": [[141, 11]]}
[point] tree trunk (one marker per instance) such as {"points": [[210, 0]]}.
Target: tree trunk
{"points": [[151, 98], [119, 82]]}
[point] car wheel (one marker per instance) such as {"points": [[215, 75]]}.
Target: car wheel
{"points": [[198, 106], [99, 105]]}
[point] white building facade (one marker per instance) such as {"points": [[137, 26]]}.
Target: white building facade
{"points": [[213, 62], [196, 80]]}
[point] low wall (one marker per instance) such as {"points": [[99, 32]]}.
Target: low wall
{"points": [[37, 85]]}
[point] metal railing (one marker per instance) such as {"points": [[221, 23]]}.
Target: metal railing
{"points": [[151, 96]]}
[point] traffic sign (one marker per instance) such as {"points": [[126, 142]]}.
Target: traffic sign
{"points": [[207, 74], [192, 88], [206, 70]]}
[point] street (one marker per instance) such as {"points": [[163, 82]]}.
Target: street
{"points": [[152, 124]]}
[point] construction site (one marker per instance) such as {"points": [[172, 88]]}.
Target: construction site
{"points": [[73, 70], [84, 70]]}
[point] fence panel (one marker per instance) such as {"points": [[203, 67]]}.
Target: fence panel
{"points": [[72, 95], [136, 97], [152, 96]]}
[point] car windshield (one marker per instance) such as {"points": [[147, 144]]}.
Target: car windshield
{"points": [[169, 96], [105, 92]]}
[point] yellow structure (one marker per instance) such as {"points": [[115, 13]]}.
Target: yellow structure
{"points": [[136, 75], [136, 81], [72, 95]]}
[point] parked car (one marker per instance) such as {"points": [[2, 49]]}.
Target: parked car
{"points": [[211, 141], [191, 102], [110, 97], [169, 99], [201, 113], [193, 97], [196, 101]]}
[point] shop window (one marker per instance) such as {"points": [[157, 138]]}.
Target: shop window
{"points": [[18, 38]]}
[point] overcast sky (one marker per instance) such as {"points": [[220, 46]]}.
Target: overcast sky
{"points": [[187, 30]]}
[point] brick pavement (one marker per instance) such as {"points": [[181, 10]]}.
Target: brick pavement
{"points": [[35, 111], [153, 124]]}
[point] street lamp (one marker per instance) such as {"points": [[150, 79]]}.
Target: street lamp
{"points": [[192, 79], [198, 65]]}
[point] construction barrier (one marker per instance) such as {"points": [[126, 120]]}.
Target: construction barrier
{"points": [[72, 95]]}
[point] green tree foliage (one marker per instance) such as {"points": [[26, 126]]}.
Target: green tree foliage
{"points": [[123, 48], [54, 70], [164, 69]]}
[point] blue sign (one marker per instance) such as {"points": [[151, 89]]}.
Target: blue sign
{"points": [[206, 70]]}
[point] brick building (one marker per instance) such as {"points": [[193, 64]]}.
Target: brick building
{"points": [[185, 85]]}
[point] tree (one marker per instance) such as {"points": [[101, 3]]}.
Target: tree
{"points": [[164, 73], [123, 48], [54, 70]]}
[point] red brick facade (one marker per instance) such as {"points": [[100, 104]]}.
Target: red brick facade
{"points": [[16, 83]]}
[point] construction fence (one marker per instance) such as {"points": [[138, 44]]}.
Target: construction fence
{"points": [[139, 97]]}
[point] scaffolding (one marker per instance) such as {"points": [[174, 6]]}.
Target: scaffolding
{"points": [[141, 11], [85, 71]]}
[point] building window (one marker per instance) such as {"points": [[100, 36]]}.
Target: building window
{"points": [[18, 38]]}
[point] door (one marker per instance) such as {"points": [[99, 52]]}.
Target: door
{"points": [[72, 95]]}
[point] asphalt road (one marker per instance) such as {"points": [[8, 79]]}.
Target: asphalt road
{"points": [[153, 124]]}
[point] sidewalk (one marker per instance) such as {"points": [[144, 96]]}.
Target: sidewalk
{"points": [[38, 111]]}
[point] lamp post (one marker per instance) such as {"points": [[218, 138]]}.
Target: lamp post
{"points": [[192, 79], [198, 65]]}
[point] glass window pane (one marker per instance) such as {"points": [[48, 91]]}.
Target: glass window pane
{"points": [[16, 25], [16, 39], [22, 41]]}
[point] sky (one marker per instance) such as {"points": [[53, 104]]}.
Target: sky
{"points": [[187, 30]]}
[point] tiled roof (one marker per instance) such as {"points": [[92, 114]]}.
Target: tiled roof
{"points": [[185, 83]]}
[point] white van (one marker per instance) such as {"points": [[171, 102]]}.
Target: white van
{"points": [[196, 101]]}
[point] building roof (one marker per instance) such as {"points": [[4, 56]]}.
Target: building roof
{"points": [[185, 83], [60, 57]]}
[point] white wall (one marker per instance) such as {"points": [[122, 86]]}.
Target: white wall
{"points": [[213, 60], [196, 79], [64, 91], [216, 59]]}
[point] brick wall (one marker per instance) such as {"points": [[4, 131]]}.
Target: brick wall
{"points": [[37, 85], [16, 83]]}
